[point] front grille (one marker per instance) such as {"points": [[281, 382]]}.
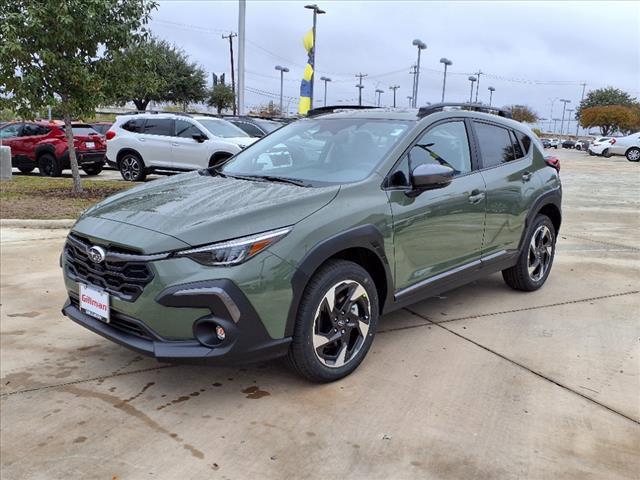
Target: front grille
{"points": [[123, 279], [123, 323]]}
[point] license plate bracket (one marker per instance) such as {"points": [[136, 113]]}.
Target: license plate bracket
{"points": [[95, 302]]}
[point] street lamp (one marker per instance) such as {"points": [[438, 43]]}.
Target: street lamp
{"points": [[379, 92], [491, 90], [394, 88], [421, 46], [316, 11], [446, 63], [325, 80], [471, 79], [569, 111], [563, 110], [282, 70], [359, 86]]}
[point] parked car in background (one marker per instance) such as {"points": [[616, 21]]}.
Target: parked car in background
{"points": [[553, 143], [101, 127], [568, 144], [255, 127], [43, 145], [282, 252], [582, 145], [545, 142], [139, 144], [628, 146], [601, 146]]}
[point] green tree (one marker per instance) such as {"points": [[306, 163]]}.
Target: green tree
{"points": [[221, 97], [153, 69], [610, 118], [522, 113], [603, 97], [63, 49]]}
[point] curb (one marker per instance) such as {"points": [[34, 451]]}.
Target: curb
{"points": [[66, 223]]}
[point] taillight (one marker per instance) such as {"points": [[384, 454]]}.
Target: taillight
{"points": [[612, 141], [553, 162], [110, 134]]}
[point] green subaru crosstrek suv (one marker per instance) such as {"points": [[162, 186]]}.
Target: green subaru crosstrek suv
{"points": [[298, 244]]}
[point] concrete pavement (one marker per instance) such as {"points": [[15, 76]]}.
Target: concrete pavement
{"points": [[481, 382]]}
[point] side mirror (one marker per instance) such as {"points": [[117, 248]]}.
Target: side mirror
{"points": [[200, 137], [429, 176]]}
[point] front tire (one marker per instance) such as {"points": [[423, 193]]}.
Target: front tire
{"points": [[536, 258], [132, 167], [606, 153], [633, 154], [336, 323], [49, 166]]}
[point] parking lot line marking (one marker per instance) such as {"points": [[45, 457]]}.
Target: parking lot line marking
{"points": [[93, 379], [524, 367], [515, 310], [617, 245]]}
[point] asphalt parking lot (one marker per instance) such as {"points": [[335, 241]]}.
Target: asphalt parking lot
{"points": [[481, 382]]}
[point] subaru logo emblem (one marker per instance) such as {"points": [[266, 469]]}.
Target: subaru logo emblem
{"points": [[97, 254]]}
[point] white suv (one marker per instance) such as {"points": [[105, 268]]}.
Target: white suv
{"points": [[628, 146], [139, 144]]}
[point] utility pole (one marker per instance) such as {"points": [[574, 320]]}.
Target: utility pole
{"points": [[478, 84], [282, 71], [555, 122], [360, 87], [233, 75], [379, 92], [394, 88], [563, 110], [410, 100], [242, 10], [551, 115], [584, 86], [316, 11]]}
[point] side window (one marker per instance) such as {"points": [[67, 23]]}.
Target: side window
{"points": [[496, 144], [517, 149], [445, 144], [525, 141], [11, 131], [186, 129], [159, 126], [30, 129], [136, 125], [251, 130], [42, 130]]}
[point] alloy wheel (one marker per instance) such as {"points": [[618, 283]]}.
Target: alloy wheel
{"points": [[540, 253], [633, 155], [130, 168], [341, 323]]}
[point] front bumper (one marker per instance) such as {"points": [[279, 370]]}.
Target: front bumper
{"points": [[246, 339]]}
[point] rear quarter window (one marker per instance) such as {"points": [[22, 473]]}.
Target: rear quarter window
{"points": [[135, 125], [159, 126], [496, 144]]}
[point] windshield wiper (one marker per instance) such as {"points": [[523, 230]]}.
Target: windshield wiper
{"points": [[292, 181]]}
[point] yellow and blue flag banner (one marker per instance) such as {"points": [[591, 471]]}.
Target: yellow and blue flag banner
{"points": [[306, 86]]}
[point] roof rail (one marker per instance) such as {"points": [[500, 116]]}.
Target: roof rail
{"points": [[336, 108], [476, 107], [141, 112]]}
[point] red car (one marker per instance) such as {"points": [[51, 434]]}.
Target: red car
{"points": [[43, 145]]}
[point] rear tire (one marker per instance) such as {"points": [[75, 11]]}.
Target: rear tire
{"points": [[633, 154], [606, 153], [132, 167], [26, 169], [49, 166], [536, 259], [93, 169], [336, 322]]}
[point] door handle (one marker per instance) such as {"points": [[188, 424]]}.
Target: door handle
{"points": [[526, 176], [476, 196], [175, 144], [140, 139]]}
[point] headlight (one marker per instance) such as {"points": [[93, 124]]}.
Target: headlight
{"points": [[233, 252]]}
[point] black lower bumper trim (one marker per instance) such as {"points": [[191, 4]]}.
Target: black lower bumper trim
{"points": [[183, 351]]}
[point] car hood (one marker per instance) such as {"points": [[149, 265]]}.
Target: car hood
{"points": [[199, 209]]}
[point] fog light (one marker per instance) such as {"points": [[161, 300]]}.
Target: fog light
{"points": [[220, 333]]}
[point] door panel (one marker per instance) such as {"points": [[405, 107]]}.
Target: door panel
{"points": [[440, 229], [186, 152], [155, 142], [510, 181]]}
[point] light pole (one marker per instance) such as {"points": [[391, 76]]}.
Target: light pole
{"points": [[359, 87], [242, 9], [551, 114], [410, 100], [379, 92], [555, 122], [564, 107], [394, 88], [584, 86], [446, 63], [421, 46], [478, 85], [325, 80], [471, 79], [491, 90], [316, 11], [569, 111], [282, 70]]}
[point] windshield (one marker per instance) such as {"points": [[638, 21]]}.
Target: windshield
{"points": [[335, 150], [269, 125], [222, 128]]}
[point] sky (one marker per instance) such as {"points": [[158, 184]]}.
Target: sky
{"points": [[530, 52]]}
